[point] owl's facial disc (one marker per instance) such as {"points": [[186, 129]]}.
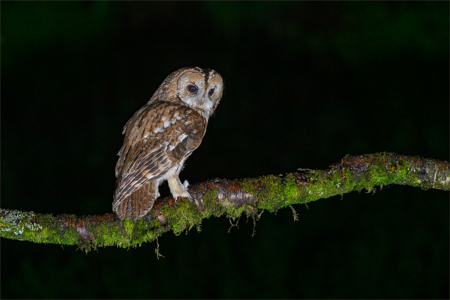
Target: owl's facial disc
{"points": [[200, 91]]}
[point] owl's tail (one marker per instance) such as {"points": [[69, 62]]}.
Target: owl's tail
{"points": [[138, 204]]}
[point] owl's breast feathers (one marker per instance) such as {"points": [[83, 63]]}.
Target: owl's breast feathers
{"points": [[157, 138]]}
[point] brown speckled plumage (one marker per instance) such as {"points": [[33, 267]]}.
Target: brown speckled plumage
{"points": [[161, 136]]}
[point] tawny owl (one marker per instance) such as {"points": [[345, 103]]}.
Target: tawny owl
{"points": [[160, 137]]}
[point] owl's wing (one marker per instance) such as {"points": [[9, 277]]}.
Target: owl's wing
{"points": [[157, 137]]}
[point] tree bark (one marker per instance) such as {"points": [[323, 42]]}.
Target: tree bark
{"points": [[230, 197]]}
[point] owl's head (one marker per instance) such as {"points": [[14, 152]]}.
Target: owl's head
{"points": [[200, 89]]}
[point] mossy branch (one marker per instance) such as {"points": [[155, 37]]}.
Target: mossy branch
{"points": [[230, 197]]}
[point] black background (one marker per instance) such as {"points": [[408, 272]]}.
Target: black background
{"points": [[306, 84]]}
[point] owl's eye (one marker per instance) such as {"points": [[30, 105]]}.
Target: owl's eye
{"points": [[192, 89], [211, 92]]}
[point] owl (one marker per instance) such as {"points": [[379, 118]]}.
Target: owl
{"points": [[161, 136]]}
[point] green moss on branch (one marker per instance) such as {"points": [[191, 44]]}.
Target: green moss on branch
{"points": [[230, 197]]}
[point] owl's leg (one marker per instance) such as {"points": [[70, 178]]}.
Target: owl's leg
{"points": [[176, 188], [180, 190]]}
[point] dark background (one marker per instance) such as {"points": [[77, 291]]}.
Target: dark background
{"points": [[306, 84]]}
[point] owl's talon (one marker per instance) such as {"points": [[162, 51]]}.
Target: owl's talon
{"points": [[200, 204], [176, 196]]}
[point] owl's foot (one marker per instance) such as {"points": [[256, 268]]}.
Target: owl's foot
{"points": [[180, 190], [177, 189]]}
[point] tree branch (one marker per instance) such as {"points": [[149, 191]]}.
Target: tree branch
{"points": [[230, 197]]}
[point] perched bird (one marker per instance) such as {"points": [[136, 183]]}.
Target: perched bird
{"points": [[160, 137]]}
